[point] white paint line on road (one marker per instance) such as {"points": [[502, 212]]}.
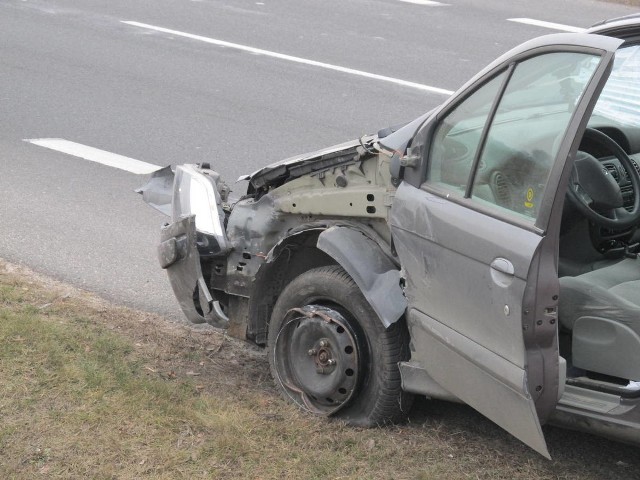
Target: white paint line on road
{"points": [[553, 26], [428, 3], [95, 155], [282, 56]]}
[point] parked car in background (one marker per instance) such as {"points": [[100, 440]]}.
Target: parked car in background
{"points": [[484, 253]]}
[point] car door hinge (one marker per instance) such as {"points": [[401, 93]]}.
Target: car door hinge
{"points": [[412, 158], [409, 161]]}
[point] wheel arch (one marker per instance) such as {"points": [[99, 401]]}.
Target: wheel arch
{"points": [[358, 252], [291, 256]]}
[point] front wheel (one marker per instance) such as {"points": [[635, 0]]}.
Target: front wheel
{"points": [[330, 354]]}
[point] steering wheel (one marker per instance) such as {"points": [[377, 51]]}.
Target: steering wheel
{"points": [[594, 191]]}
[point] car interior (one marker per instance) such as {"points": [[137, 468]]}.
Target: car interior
{"points": [[599, 268]]}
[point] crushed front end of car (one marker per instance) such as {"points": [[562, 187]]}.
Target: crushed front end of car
{"points": [[229, 260]]}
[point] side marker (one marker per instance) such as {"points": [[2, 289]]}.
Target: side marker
{"points": [[428, 3]]}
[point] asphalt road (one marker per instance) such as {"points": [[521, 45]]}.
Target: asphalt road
{"points": [[73, 70]]}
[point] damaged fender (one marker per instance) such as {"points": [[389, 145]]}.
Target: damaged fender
{"points": [[373, 271]]}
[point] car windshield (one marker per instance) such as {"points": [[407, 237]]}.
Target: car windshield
{"points": [[620, 98], [548, 86], [550, 80]]}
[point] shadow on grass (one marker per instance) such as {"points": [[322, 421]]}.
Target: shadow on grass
{"points": [[574, 454]]}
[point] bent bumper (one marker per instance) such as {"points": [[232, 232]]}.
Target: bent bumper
{"points": [[178, 254]]}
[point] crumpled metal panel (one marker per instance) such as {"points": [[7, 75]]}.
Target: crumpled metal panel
{"points": [[375, 274]]}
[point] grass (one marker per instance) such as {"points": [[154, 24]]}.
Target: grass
{"points": [[92, 390]]}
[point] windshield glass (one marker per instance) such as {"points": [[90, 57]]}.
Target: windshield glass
{"points": [[620, 98]]}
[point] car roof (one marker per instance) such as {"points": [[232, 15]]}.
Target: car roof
{"points": [[620, 27]]}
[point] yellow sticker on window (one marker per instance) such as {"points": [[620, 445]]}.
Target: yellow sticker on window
{"points": [[530, 195]]}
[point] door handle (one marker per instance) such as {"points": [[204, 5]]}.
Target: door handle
{"points": [[503, 265]]}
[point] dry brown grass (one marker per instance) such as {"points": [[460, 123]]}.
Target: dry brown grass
{"points": [[92, 390]]}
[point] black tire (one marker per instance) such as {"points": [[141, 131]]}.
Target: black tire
{"points": [[322, 317]]}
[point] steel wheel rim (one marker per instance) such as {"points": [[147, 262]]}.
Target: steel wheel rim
{"points": [[317, 359]]}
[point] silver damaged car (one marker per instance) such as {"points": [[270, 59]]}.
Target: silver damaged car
{"points": [[485, 253]]}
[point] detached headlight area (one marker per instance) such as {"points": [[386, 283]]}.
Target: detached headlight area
{"points": [[196, 193]]}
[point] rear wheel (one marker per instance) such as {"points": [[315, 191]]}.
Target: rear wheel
{"points": [[330, 354]]}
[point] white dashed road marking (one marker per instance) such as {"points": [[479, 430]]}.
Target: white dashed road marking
{"points": [[95, 155], [290, 58], [429, 3], [553, 26]]}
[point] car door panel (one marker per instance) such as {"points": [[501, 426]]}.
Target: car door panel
{"points": [[481, 278], [495, 391], [472, 355], [433, 249]]}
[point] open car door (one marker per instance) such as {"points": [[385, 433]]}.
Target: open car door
{"points": [[475, 224]]}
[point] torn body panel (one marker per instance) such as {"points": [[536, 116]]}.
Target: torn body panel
{"points": [[290, 205], [374, 272]]}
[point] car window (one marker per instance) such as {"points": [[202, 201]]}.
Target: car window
{"points": [[457, 138], [518, 149], [526, 131]]}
